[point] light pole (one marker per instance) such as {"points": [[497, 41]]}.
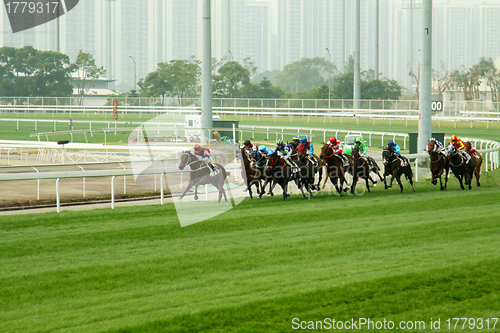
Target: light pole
{"points": [[230, 56], [329, 77], [135, 71]]}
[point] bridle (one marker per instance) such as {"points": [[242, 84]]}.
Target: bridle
{"points": [[434, 150], [192, 161]]}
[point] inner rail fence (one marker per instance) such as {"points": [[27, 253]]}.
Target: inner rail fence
{"points": [[448, 107]]}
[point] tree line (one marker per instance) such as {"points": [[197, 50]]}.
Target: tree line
{"points": [[28, 72], [313, 78]]}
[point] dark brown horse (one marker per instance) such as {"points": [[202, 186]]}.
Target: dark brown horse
{"points": [[335, 167], [393, 166], [361, 170], [439, 163], [200, 175], [474, 154], [306, 172], [252, 175], [258, 162], [461, 168], [280, 171]]}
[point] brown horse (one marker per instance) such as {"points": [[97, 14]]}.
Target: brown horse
{"points": [[258, 162], [306, 172], [200, 175], [251, 174], [439, 163], [335, 167], [361, 169], [280, 171], [394, 168], [460, 167], [474, 154]]}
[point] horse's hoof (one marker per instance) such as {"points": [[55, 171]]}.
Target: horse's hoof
{"points": [[196, 198], [442, 188], [434, 182], [386, 187], [478, 184]]}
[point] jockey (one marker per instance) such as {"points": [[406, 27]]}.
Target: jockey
{"points": [[249, 146], [337, 149], [285, 152], [296, 142], [264, 151], [308, 146], [393, 147], [203, 155], [362, 147], [440, 146], [459, 145]]}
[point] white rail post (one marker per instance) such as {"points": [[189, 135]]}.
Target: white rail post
{"points": [[206, 192], [83, 181], [58, 196], [38, 185], [113, 192], [416, 169], [162, 200]]}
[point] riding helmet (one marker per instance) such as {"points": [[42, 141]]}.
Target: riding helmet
{"points": [[279, 142], [296, 138], [262, 147], [303, 139], [357, 140], [247, 142], [333, 139], [390, 143], [453, 138], [197, 146]]}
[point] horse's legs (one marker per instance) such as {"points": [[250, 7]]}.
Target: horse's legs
{"points": [[284, 186], [196, 192], [410, 179], [320, 176], [190, 184], [263, 188], [398, 179], [367, 183], [441, 183], [354, 182], [478, 175]]}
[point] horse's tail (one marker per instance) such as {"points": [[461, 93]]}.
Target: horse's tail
{"points": [[409, 174]]}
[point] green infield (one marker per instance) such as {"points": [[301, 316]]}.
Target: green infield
{"points": [[8, 129], [265, 266]]}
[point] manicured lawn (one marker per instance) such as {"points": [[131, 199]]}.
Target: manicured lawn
{"points": [[411, 256]]}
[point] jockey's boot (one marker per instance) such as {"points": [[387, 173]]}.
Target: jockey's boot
{"points": [[403, 161], [313, 160], [214, 169], [344, 158], [467, 156]]}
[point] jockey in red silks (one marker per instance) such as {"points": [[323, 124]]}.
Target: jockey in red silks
{"points": [[336, 146], [203, 155]]}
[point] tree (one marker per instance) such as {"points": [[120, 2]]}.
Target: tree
{"points": [[416, 78], [176, 78], [443, 79], [374, 89], [264, 89], [231, 76], [29, 72], [88, 72], [304, 74], [342, 86]]}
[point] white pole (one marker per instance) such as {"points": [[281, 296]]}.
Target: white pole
{"points": [[113, 192], [357, 58], [377, 14], [425, 115], [206, 89], [229, 54], [162, 199], [58, 197], [343, 39]]}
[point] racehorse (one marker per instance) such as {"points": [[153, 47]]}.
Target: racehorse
{"points": [[249, 173], [439, 164], [394, 168], [200, 175], [460, 168], [306, 171], [335, 167], [258, 161], [361, 169], [474, 154], [280, 171]]}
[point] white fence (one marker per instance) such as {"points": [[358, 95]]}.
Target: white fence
{"points": [[449, 106]]}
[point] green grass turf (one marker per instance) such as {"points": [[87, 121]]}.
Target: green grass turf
{"points": [[8, 129], [411, 256]]}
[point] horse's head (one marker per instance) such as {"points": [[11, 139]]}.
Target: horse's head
{"points": [[301, 152], [386, 155], [452, 150], [355, 152], [468, 146], [185, 159], [431, 147], [325, 150]]}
